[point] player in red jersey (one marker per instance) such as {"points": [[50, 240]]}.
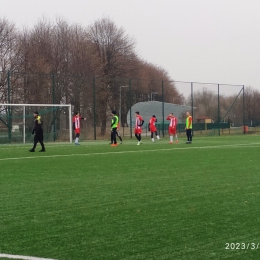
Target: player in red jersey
{"points": [[152, 127], [172, 127], [76, 126], [138, 127]]}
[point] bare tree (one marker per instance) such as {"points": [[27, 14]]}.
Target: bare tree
{"points": [[8, 55], [113, 52]]}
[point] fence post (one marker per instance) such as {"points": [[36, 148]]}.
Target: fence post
{"points": [[218, 111], [94, 107], [192, 105], [9, 108], [162, 109], [53, 102], [130, 91], [244, 128]]}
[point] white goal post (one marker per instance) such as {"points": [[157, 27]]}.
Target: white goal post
{"points": [[23, 106]]}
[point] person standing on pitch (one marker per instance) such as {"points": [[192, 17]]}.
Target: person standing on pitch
{"points": [[114, 124], [138, 127], [76, 126], [172, 130], [152, 127], [188, 128], [37, 132]]}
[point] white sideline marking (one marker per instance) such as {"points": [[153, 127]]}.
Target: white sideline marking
{"points": [[23, 257], [135, 151]]}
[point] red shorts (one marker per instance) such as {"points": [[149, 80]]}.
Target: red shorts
{"points": [[153, 129], [172, 131], [77, 131], [138, 131]]}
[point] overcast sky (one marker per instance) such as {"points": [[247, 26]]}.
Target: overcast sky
{"points": [[194, 40]]}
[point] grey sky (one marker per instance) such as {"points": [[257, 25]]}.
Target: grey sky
{"points": [[194, 40]]}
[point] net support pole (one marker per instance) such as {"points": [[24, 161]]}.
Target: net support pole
{"points": [[53, 112], [94, 107], [162, 109], [24, 124], [244, 116], [218, 112], [9, 108], [130, 91], [191, 86], [70, 123]]}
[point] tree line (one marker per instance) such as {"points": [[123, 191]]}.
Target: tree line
{"points": [[58, 62]]}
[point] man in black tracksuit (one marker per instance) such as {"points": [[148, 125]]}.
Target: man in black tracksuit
{"points": [[38, 132]]}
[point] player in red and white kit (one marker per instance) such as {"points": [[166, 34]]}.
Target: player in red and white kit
{"points": [[76, 126], [152, 127], [138, 126], [172, 127]]}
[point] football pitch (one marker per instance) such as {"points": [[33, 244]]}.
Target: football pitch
{"points": [[153, 201]]}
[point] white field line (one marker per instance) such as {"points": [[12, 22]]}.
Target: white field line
{"points": [[135, 151], [23, 257]]}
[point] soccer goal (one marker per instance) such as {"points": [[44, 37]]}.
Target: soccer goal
{"points": [[16, 122]]}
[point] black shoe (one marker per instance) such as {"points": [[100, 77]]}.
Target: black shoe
{"points": [[32, 150], [42, 150]]}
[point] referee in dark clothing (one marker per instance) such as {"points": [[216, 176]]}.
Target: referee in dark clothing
{"points": [[37, 132]]}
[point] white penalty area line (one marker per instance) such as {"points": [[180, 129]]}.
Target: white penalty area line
{"points": [[135, 151], [23, 257]]}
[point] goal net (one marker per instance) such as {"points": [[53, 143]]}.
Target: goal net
{"points": [[17, 122]]}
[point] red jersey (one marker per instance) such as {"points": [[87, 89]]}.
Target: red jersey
{"points": [[173, 125], [173, 121], [138, 122], [152, 122], [76, 123]]}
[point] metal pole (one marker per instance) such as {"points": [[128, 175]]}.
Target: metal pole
{"points": [[70, 123], [244, 110], [192, 103], [130, 90], [94, 106], [120, 107], [218, 111], [9, 108], [24, 124], [162, 109], [53, 102]]}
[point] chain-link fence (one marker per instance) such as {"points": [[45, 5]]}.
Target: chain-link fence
{"points": [[217, 109]]}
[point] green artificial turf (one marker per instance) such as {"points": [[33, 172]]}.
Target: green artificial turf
{"points": [[153, 201]]}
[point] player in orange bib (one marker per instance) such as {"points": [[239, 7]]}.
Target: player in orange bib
{"points": [[172, 127]]}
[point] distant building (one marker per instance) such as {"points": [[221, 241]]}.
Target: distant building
{"points": [[147, 109]]}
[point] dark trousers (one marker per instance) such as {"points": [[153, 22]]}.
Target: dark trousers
{"points": [[189, 135], [38, 138], [138, 137], [119, 136], [113, 135], [152, 134]]}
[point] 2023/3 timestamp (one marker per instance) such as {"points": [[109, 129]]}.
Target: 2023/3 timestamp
{"points": [[243, 246]]}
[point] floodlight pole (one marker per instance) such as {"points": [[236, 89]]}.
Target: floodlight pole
{"points": [[120, 103], [24, 124]]}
